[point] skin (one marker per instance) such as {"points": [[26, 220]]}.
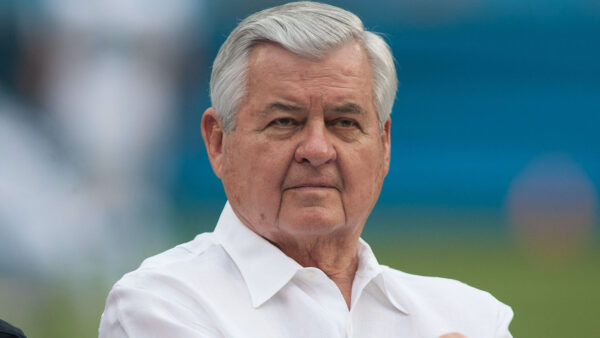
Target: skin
{"points": [[306, 160]]}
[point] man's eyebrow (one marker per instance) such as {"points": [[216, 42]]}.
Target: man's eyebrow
{"points": [[347, 108], [351, 108], [278, 106]]}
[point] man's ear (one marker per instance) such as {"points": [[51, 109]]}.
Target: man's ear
{"points": [[387, 143], [213, 134]]}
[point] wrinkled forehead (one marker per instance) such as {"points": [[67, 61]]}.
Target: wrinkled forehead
{"points": [[347, 61], [347, 65], [315, 53]]}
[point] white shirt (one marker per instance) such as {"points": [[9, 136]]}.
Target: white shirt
{"points": [[234, 283]]}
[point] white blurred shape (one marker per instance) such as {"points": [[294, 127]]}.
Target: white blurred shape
{"points": [[110, 87], [113, 112], [155, 18], [91, 198], [39, 214]]}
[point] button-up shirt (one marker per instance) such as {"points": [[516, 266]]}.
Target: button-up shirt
{"points": [[234, 283]]}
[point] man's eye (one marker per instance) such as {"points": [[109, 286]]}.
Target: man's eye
{"points": [[345, 123], [283, 122]]}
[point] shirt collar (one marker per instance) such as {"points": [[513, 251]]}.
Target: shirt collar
{"points": [[369, 271], [266, 269]]}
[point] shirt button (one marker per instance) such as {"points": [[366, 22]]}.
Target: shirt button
{"points": [[349, 330]]}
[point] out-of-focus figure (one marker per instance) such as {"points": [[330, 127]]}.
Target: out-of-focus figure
{"points": [[79, 154], [553, 206]]}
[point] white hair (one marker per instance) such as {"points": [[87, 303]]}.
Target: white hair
{"points": [[309, 29]]}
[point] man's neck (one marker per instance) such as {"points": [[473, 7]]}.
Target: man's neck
{"points": [[336, 257]]}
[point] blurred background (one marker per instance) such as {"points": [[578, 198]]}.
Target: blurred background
{"points": [[495, 159]]}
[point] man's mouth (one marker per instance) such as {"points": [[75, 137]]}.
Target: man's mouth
{"points": [[312, 185]]}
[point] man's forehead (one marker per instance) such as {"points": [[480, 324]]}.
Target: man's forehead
{"points": [[268, 57]]}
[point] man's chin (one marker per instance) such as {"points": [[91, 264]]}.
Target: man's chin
{"points": [[312, 221]]}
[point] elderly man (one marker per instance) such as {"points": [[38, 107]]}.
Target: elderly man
{"points": [[299, 134]]}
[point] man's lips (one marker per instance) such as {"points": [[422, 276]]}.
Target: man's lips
{"points": [[312, 185], [301, 186]]}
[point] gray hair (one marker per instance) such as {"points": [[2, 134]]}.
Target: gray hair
{"points": [[309, 29]]}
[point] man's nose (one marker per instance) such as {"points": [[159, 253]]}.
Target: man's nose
{"points": [[315, 146]]}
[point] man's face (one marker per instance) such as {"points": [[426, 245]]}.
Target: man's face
{"points": [[306, 157]]}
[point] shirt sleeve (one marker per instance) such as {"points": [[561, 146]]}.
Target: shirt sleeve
{"points": [[505, 316], [132, 312]]}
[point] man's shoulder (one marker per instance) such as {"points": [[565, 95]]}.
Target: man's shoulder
{"points": [[428, 284], [194, 258], [171, 284], [453, 305], [444, 294]]}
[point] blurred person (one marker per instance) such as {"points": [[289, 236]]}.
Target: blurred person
{"points": [[299, 134], [81, 143], [111, 87]]}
